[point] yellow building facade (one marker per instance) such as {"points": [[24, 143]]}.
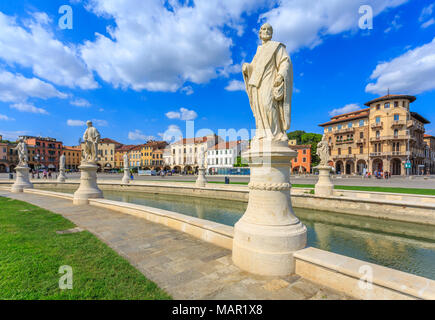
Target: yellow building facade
{"points": [[380, 138]]}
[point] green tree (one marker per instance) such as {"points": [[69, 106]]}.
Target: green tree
{"points": [[239, 163], [313, 139], [296, 135]]}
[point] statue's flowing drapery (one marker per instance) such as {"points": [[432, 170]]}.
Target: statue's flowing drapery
{"points": [[270, 104]]}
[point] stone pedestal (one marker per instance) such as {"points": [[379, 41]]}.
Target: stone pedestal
{"points": [[324, 187], [22, 180], [126, 177], [201, 181], [88, 184], [268, 234], [61, 178]]}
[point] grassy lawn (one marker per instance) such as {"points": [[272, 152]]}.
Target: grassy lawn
{"points": [[428, 192], [31, 253]]}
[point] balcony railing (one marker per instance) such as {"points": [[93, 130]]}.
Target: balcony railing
{"points": [[377, 125], [343, 156], [396, 137], [345, 130], [389, 153], [398, 123], [344, 141]]}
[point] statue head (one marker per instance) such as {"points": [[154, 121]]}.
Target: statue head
{"points": [[266, 32], [89, 123]]}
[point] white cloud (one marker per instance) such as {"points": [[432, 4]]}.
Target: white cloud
{"points": [[75, 123], [425, 16], [80, 103], [80, 123], [187, 90], [6, 118], [346, 109], [412, 73], [302, 23], [34, 46], [395, 25], [173, 133], [12, 135], [428, 23], [17, 88], [184, 114], [100, 123], [159, 45], [28, 107], [138, 135], [235, 85]]}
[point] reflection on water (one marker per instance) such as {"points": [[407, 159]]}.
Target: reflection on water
{"points": [[403, 246]]}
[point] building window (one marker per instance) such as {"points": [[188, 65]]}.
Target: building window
{"points": [[330, 129], [361, 150], [339, 127], [387, 105], [396, 117], [378, 120], [339, 151], [304, 151], [361, 135], [304, 159], [349, 125], [350, 150], [396, 104], [361, 123], [378, 134], [378, 107], [396, 133]]}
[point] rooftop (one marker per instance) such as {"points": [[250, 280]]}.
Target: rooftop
{"points": [[391, 97], [196, 140], [108, 140], [225, 145], [347, 116]]}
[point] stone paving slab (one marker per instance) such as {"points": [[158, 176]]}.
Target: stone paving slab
{"points": [[185, 267]]}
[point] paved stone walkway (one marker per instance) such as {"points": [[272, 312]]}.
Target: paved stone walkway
{"points": [[186, 267]]}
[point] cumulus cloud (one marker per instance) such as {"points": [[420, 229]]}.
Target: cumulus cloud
{"points": [[33, 45], [410, 73], [173, 133], [17, 88], [28, 107], [235, 85], [302, 23], [138, 135], [159, 45], [80, 123], [6, 118], [347, 108], [80, 103], [75, 123], [12, 135], [184, 114], [188, 90]]}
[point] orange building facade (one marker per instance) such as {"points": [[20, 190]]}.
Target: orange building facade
{"points": [[302, 163]]}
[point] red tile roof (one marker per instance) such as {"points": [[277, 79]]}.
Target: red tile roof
{"points": [[350, 113], [360, 115], [195, 140], [225, 145], [108, 140], [391, 97]]}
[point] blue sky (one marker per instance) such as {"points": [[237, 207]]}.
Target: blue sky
{"points": [[142, 68]]}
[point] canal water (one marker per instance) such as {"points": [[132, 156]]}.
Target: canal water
{"points": [[402, 246]]}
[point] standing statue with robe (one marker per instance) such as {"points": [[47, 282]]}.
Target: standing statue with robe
{"points": [[269, 84], [23, 154], [91, 138], [323, 151]]}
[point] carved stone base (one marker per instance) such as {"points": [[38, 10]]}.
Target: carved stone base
{"points": [[61, 178], [324, 187], [88, 184], [22, 180], [268, 234], [201, 181], [126, 178]]}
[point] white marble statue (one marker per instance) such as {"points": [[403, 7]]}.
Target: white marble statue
{"points": [[126, 162], [62, 162], [91, 138], [23, 156], [323, 152], [269, 84]]}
